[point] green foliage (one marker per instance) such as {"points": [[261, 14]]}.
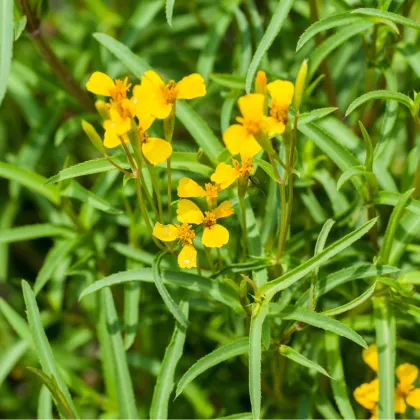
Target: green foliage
{"points": [[323, 253]]}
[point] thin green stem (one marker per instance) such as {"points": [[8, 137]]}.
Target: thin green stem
{"points": [[244, 231], [168, 128], [155, 184], [168, 165], [208, 254]]}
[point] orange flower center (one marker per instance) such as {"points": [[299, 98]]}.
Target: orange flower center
{"points": [[123, 110], [254, 127], [209, 219], [185, 233], [403, 389], [212, 190], [169, 92], [245, 169], [279, 111], [143, 135], [119, 92]]}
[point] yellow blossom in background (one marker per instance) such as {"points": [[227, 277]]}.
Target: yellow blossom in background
{"points": [[281, 92], [370, 356], [187, 258], [367, 395], [101, 84], [160, 97], [225, 175], [214, 235], [405, 392]]}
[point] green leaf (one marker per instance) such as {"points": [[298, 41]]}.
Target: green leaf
{"points": [[313, 115], [385, 327], [125, 393], [16, 322], [266, 167], [6, 43], [132, 296], [394, 220], [10, 356], [19, 27], [42, 347], [239, 416], [393, 17], [230, 81], [356, 171], [44, 404], [335, 367], [226, 352], [291, 277], [334, 21], [53, 260], [255, 338], [294, 355], [169, 302], [75, 190], [199, 130], [165, 379], [334, 41], [380, 94], [60, 400], [391, 199], [27, 233], [352, 304], [317, 320], [218, 291], [132, 61], [29, 179], [276, 23], [169, 10]]}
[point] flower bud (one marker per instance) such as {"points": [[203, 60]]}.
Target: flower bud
{"points": [[300, 84], [103, 108], [261, 82], [93, 135]]}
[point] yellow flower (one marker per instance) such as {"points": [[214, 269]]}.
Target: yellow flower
{"points": [[370, 356], [101, 84], [118, 125], [188, 188], [160, 97], [187, 258], [405, 393], [225, 175], [281, 92], [214, 235], [367, 395]]}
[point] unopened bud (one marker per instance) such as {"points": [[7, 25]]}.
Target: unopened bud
{"points": [[300, 84], [261, 82], [103, 108], [93, 135]]}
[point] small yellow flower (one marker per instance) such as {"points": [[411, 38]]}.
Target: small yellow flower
{"points": [[281, 92], [160, 97], [405, 393], [367, 395], [118, 124], [187, 258], [188, 188], [101, 84], [214, 235], [225, 175]]}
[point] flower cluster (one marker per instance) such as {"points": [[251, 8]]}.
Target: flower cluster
{"points": [[259, 121], [405, 393], [151, 99]]}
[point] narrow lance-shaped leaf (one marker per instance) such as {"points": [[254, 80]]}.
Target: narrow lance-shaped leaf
{"points": [[274, 286], [43, 348], [236, 348], [169, 10], [297, 357], [6, 43], [393, 17], [165, 379], [273, 29]]}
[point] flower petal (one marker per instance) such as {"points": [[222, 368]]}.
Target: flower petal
{"points": [[407, 373], [215, 236], [252, 106], [188, 212], [189, 188], [223, 210], [238, 140], [224, 175], [156, 150], [111, 138], [191, 87], [141, 110], [166, 233], [281, 91], [399, 403], [273, 126], [367, 395], [100, 84], [413, 398], [151, 92], [187, 258], [370, 356]]}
